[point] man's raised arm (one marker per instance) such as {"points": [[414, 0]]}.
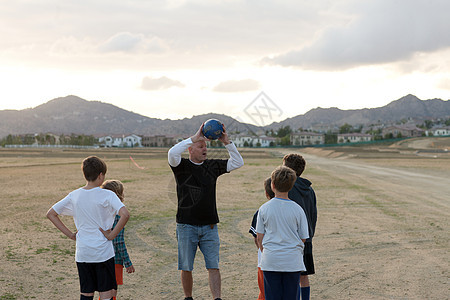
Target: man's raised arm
{"points": [[236, 161], [175, 152]]}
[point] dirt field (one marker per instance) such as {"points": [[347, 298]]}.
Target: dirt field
{"points": [[382, 230]]}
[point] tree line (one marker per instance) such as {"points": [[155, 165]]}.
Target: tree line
{"points": [[48, 139], [282, 135]]}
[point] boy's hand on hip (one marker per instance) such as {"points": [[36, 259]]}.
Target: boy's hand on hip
{"points": [[73, 236], [107, 233]]}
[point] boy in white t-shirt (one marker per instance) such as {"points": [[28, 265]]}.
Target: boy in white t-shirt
{"points": [[93, 210], [282, 229]]}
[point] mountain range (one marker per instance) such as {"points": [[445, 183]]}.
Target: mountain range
{"points": [[72, 114], [407, 107]]}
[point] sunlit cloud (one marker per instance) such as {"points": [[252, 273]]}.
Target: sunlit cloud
{"points": [[313, 53], [161, 83], [71, 46], [128, 42], [237, 86], [444, 84]]}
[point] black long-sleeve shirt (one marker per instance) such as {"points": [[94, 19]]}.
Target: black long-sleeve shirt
{"points": [[304, 195]]}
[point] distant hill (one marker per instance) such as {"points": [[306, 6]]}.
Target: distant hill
{"points": [[404, 108], [72, 114]]}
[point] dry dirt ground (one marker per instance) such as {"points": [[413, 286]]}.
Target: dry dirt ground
{"points": [[382, 230]]}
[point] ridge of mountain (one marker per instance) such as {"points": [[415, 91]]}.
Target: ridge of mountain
{"points": [[72, 114], [407, 107]]}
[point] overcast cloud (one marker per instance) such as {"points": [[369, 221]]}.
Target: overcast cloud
{"points": [[382, 31], [309, 34], [160, 83], [128, 42], [188, 32], [235, 86], [292, 49]]}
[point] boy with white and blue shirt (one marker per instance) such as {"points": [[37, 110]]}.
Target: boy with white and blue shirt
{"points": [[282, 229]]}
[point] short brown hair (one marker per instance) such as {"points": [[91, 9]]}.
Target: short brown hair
{"points": [[92, 166], [296, 162], [114, 185], [268, 188], [283, 179]]}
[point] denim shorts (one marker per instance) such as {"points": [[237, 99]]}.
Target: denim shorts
{"points": [[203, 236]]}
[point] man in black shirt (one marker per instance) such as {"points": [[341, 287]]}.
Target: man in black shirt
{"points": [[197, 217]]}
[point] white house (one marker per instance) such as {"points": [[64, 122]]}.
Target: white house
{"points": [[441, 131], [353, 137], [121, 140], [132, 140], [243, 140], [264, 141]]}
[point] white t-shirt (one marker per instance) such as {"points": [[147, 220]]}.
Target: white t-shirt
{"points": [[283, 223], [91, 209]]}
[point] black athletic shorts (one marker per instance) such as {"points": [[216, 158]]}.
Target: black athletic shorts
{"points": [[308, 259], [99, 277]]}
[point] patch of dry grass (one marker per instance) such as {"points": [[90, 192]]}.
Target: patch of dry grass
{"points": [[373, 235]]}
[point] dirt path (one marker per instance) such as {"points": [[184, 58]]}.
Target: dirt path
{"points": [[382, 231], [385, 235]]}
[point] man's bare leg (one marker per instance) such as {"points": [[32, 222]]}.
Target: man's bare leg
{"points": [[214, 282], [187, 282]]}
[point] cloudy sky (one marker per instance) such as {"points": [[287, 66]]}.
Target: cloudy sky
{"points": [[174, 59]]}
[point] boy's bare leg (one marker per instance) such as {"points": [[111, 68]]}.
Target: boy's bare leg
{"points": [[114, 295], [87, 294], [187, 282], [304, 280], [106, 295], [214, 282], [305, 290]]}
